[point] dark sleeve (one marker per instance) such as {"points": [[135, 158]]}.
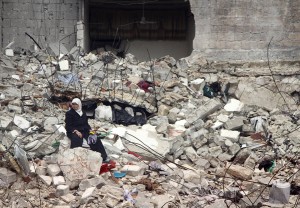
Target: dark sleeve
{"points": [[87, 122], [69, 120]]}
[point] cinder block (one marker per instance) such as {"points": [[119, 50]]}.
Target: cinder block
{"points": [[133, 170], [62, 190]]}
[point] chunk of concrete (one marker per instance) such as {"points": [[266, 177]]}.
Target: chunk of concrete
{"points": [[192, 176], [9, 52], [58, 180], [234, 105], [41, 170], [92, 182], [68, 198], [240, 172], [62, 190], [50, 122], [64, 65], [5, 122], [133, 170], [233, 135], [88, 193], [53, 169], [57, 48], [148, 138], [203, 111], [191, 154], [7, 176], [21, 122], [161, 200], [198, 84], [46, 179], [235, 123], [76, 164]]}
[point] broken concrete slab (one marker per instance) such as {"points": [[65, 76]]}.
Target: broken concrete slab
{"points": [[147, 136], [240, 172], [57, 48], [76, 164], [7, 176]]}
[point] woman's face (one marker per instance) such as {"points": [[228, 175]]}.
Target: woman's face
{"points": [[75, 106]]}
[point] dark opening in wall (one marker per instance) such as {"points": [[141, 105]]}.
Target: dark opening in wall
{"points": [[162, 27]]}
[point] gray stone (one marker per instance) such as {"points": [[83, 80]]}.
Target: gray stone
{"points": [[53, 169], [235, 123], [224, 157], [46, 179], [5, 122], [233, 149], [215, 151], [203, 111], [92, 182], [240, 172], [178, 153], [57, 48], [199, 142], [162, 128], [14, 108], [191, 154], [89, 164], [242, 156], [202, 163], [27, 86], [203, 151], [7, 176], [172, 117], [62, 190]]}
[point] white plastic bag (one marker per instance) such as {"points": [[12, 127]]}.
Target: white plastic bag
{"points": [[103, 113], [21, 157], [85, 144]]}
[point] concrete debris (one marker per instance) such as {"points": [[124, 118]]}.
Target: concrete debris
{"points": [[170, 142]]}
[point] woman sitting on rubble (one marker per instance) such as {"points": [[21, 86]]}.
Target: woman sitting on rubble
{"points": [[78, 129]]}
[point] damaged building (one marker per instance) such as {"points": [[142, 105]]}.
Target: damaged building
{"points": [[196, 103], [227, 30]]}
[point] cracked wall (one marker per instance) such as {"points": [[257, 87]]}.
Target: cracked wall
{"points": [[242, 29], [225, 30], [1, 25], [45, 20]]}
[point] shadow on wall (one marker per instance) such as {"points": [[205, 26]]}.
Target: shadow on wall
{"points": [[157, 49]]}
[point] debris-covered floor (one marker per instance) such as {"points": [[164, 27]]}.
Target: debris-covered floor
{"points": [[179, 133]]}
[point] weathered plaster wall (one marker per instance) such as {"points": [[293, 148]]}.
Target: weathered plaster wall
{"points": [[225, 30], [1, 24], [242, 29], [45, 20]]}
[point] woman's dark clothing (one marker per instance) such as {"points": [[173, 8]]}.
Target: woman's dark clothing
{"points": [[75, 122]]}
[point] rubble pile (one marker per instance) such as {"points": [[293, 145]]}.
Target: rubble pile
{"points": [[180, 133]]}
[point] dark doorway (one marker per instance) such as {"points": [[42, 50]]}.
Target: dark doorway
{"points": [[161, 27]]}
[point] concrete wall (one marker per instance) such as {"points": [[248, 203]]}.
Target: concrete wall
{"points": [[45, 20], [157, 49], [225, 30], [242, 29], [1, 24]]}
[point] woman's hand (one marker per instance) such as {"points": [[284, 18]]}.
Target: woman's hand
{"points": [[78, 133]]}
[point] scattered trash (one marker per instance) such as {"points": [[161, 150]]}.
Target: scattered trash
{"points": [[119, 174], [131, 195], [106, 167], [67, 78], [135, 154], [280, 192], [267, 165]]}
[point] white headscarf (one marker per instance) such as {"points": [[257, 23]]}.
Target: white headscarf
{"points": [[78, 102]]}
